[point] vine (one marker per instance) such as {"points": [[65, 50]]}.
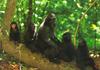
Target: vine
{"points": [[78, 22]]}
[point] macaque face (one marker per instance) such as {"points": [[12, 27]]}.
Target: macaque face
{"points": [[66, 37], [53, 18], [13, 26]]}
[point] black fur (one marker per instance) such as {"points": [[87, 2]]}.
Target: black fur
{"points": [[68, 51], [83, 58], [14, 34]]}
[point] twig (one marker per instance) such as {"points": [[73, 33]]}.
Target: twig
{"points": [[77, 28]]}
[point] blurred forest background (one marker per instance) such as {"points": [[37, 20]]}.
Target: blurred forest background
{"points": [[68, 13], [71, 15]]}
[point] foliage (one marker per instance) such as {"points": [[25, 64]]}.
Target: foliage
{"points": [[68, 13]]}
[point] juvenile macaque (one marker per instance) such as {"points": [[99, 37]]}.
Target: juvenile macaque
{"points": [[68, 51], [14, 32], [83, 58]]}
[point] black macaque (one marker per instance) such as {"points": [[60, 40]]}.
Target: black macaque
{"points": [[83, 59], [46, 31], [68, 50], [53, 53], [14, 33], [29, 37], [45, 38]]}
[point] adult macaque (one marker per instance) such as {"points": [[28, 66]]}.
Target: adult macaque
{"points": [[14, 33], [68, 51], [45, 33], [45, 39], [29, 37], [83, 58]]}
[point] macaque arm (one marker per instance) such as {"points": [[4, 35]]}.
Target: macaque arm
{"points": [[50, 42]]}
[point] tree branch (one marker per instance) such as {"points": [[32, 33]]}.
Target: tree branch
{"points": [[77, 28]]}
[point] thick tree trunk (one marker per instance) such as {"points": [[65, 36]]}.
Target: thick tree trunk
{"points": [[30, 11], [29, 16], [10, 9], [24, 55]]}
